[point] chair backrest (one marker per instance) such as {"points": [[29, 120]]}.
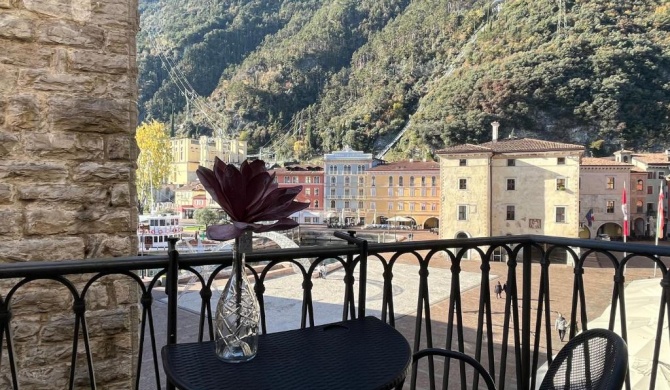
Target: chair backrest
{"points": [[594, 359], [455, 355]]}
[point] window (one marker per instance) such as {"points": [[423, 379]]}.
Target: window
{"points": [[390, 191], [373, 181], [401, 206], [510, 213], [346, 204], [400, 181], [462, 162], [640, 185], [433, 181], [316, 204], [361, 169], [294, 179], [316, 192], [317, 179], [347, 192], [610, 183], [390, 206], [650, 208], [462, 184], [332, 192], [511, 162], [411, 181], [361, 192], [347, 169], [308, 191], [373, 205], [462, 212], [423, 207], [373, 191], [560, 214], [661, 175], [423, 181], [411, 206], [610, 207], [560, 184], [639, 207], [333, 180], [433, 206], [400, 192], [287, 179], [390, 181], [332, 204], [360, 204], [308, 180], [651, 175], [511, 184], [347, 181], [361, 181], [560, 161], [650, 190], [433, 191], [332, 169]]}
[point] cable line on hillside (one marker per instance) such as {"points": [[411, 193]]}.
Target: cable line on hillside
{"points": [[495, 5]]}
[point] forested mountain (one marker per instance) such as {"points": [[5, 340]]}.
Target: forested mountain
{"points": [[303, 77]]}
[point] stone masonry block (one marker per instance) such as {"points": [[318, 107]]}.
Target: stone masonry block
{"points": [[8, 140], [45, 221], [5, 3], [71, 34], [42, 249], [89, 115], [45, 80], [118, 147], [26, 55], [92, 171], [87, 61], [9, 76], [15, 27], [12, 221], [42, 172], [65, 146], [120, 196], [6, 193], [23, 112], [63, 193], [61, 9]]}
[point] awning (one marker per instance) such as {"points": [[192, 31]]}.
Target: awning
{"points": [[400, 219]]}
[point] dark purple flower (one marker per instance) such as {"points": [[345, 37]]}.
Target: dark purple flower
{"points": [[249, 195]]}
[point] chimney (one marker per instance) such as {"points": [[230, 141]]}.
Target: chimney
{"points": [[667, 154], [495, 126]]}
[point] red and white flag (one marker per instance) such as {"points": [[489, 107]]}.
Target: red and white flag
{"points": [[624, 209], [660, 218]]}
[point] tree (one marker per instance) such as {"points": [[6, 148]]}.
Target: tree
{"points": [[206, 217], [154, 163]]}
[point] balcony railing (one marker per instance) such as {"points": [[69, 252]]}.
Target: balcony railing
{"points": [[512, 338]]}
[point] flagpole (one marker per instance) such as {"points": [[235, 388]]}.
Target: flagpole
{"points": [[624, 209], [659, 219]]}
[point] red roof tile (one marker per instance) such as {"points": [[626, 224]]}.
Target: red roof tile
{"points": [[512, 145]]}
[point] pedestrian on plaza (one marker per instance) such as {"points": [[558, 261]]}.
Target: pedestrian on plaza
{"points": [[504, 288], [323, 271], [561, 326], [498, 290]]}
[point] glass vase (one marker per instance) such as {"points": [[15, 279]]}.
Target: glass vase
{"points": [[237, 316]]}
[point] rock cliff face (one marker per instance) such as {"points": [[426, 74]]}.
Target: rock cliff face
{"points": [[67, 160]]}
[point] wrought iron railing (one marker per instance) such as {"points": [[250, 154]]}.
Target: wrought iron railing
{"points": [[525, 335]]}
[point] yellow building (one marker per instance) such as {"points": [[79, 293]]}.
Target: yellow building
{"points": [[510, 186], [189, 153], [405, 192]]}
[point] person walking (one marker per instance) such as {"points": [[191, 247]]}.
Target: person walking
{"points": [[498, 290], [323, 271], [561, 326], [504, 288]]}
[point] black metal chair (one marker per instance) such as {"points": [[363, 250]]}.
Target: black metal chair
{"points": [[594, 359], [454, 355]]}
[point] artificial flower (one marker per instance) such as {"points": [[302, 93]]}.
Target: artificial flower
{"points": [[249, 195]]}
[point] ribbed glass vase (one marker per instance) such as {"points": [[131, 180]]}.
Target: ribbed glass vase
{"points": [[237, 319]]}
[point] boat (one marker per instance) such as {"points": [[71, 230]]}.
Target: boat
{"points": [[153, 231]]}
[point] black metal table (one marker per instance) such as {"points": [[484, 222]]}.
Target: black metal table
{"points": [[356, 354]]}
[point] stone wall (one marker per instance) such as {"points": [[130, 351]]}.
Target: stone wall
{"points": [[67, 159]]}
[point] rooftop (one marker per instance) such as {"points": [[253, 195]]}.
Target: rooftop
{"points": [[512, 145], [652, 158], [597, 161], [407, 166]]}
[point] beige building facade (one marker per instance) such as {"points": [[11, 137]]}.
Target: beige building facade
{"points": [[406, 192], [189, 153], [510, 186]]}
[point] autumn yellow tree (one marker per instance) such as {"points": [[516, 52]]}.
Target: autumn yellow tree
{"points": [[154, 163]]}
